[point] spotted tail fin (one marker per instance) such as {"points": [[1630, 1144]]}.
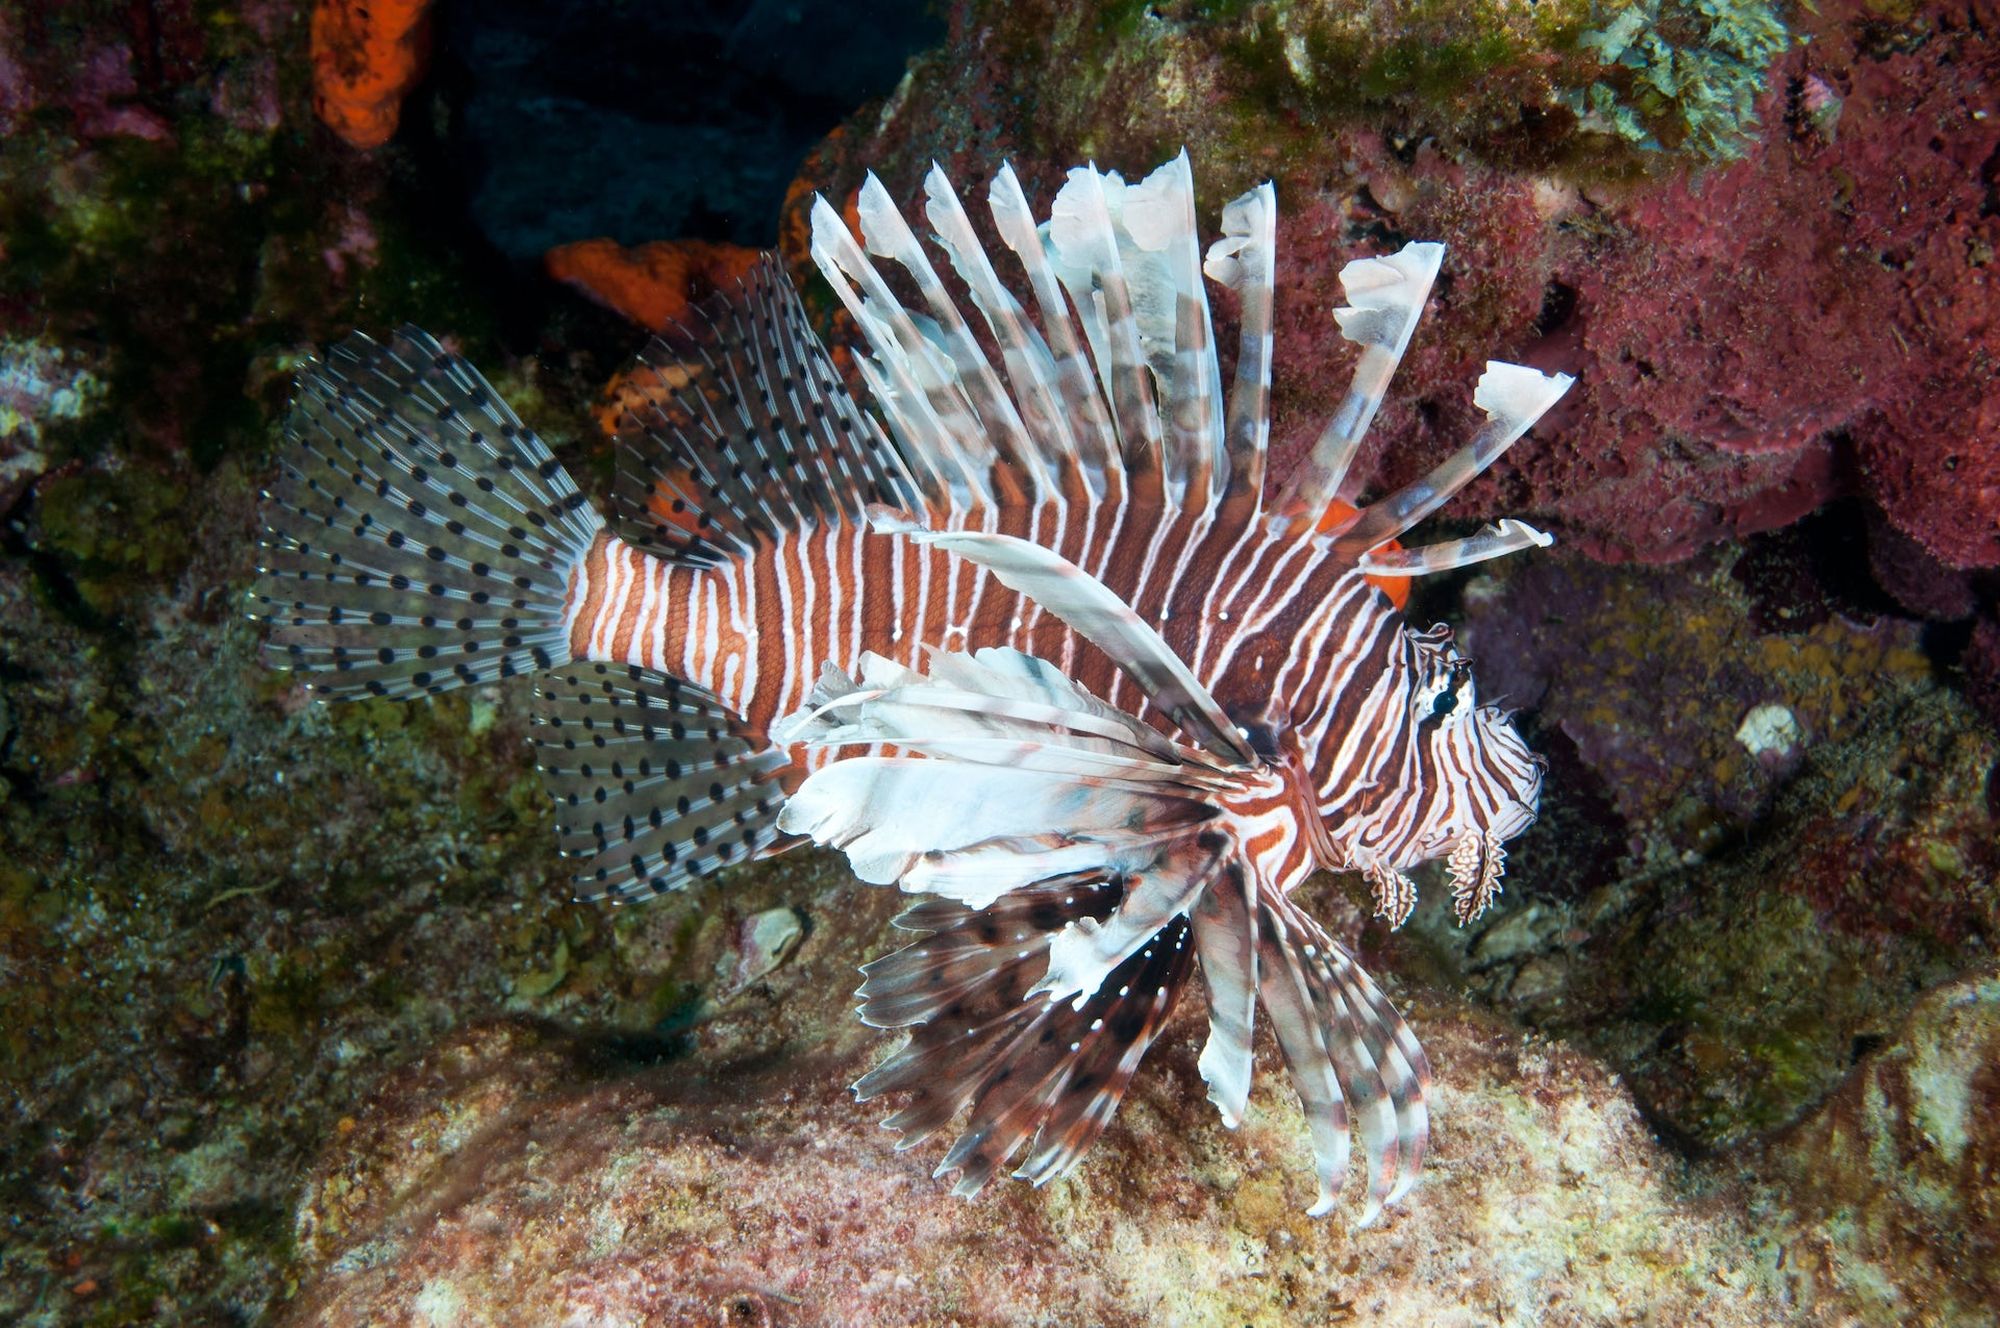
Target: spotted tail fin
{"points": [[418, 537]]}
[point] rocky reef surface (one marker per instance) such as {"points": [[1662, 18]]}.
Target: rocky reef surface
{"points": [[296, 1023]]}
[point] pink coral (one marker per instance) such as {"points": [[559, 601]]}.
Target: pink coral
{"points": [[103, 83], [1819, 317], [1815, 319]]}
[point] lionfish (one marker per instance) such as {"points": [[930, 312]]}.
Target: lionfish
{"points": [[1093, 684]]}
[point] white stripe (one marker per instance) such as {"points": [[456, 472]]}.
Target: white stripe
{"points": [[578, 594], [805, 641], [780, 558], [854, 539], [650, 576], [619, 589], [689, 666], [1213, 603], [741, 587]]}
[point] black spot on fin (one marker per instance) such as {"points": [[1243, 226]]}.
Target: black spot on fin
{"points": [[418, 537], [655, 780], [747, 433]]}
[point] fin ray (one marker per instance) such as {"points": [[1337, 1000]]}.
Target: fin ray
{"points": [[748, 434], [1513, 397], [1225, 935], [1245, 260], [1386, 297], [1098, 615]]}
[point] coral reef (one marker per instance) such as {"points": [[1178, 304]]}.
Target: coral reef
{"points": [[1763, 898], [1656, 703], [1815, 318], [484, 1183], [292, 1005], [1890, 1190], [41, 386], [1681, 75]]}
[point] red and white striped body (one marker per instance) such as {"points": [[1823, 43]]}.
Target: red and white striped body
{"points": [[1277, 628]]}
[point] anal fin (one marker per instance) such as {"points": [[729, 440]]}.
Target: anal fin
{"points": [[656, 781]]}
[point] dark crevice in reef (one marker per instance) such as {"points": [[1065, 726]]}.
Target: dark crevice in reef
{"points": [[1800, 575], [51, 571], [654, 122], [1558, 307]]}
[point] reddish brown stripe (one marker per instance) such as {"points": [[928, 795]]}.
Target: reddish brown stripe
{"points": [[585, 615], [628, 620]]}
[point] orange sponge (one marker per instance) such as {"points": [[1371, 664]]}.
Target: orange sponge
{"points": [[1339, 513], [653, 284], [365, 55]]}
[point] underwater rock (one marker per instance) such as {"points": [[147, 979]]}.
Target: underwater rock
{"points": [[1749, 340], [1808, 837], [108, 76], [1982, 683], [1652, 672], [41, 385], [1890, 1190], [1919, 584], [499, 1179]]}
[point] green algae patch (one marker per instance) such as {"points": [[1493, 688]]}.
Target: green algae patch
{"points": [[1680, 74], [1332, 61], [130, 523]]}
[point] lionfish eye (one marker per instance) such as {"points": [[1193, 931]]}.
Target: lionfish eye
{"points": [[1446, 702]]}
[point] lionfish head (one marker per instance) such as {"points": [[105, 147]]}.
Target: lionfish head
{"points": [[1482, 783]]}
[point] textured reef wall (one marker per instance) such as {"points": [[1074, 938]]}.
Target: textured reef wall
{"points": [[1809, 310], [295, 1022]]}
